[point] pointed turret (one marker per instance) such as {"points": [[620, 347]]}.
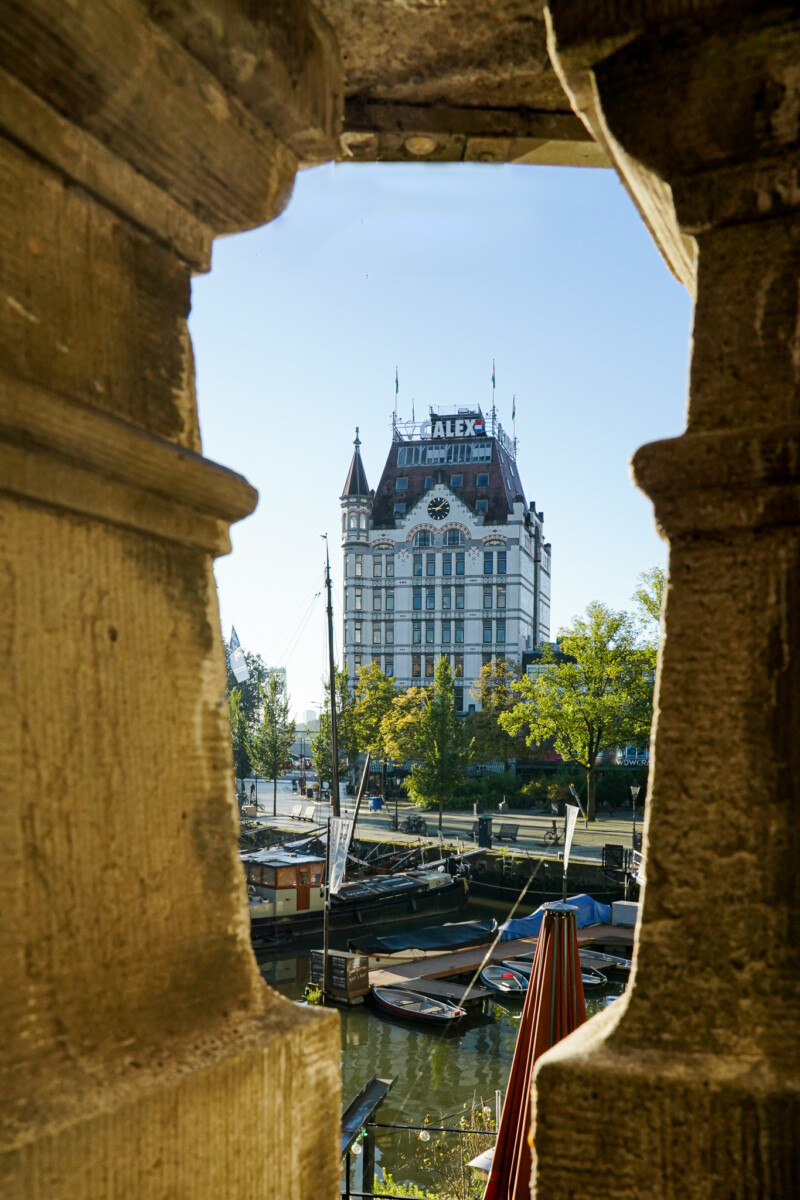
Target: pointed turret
{"points": [[356, 484], [356, 500]]}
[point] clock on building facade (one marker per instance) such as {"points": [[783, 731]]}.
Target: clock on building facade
{"points": [[439, 508]]}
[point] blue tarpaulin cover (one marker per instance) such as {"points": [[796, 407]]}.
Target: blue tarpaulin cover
{"points": [[590, 912]]}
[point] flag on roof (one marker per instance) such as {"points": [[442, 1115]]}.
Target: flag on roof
{"points": [[396, 382], [514, 409], [492, 374]]}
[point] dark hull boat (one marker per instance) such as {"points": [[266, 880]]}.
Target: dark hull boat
{"points": [[287, 905], [411, 1006], [430, 939]]}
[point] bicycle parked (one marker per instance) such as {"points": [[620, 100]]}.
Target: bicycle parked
{"points": [[554, 836], [410, 824]]}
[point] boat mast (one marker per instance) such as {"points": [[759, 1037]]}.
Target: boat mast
{"points": [[332, 678]]}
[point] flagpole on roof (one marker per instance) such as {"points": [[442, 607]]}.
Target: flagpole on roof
{"points": [[514, 422], [394, 415], [494, 411]]}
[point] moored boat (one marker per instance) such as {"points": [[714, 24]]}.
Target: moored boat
{"points": [[604, 962], [286, 896], [502, 978], [590, 975], [412, 1006]]}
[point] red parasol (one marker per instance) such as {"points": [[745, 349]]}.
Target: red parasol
{"points": [[554, 1006]]}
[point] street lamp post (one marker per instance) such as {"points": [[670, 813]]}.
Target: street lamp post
{"points": [[635, 788]]}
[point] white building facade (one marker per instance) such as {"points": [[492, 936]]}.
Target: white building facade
{"points": [[446, 557]]}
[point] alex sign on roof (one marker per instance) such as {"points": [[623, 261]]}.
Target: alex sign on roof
{"points": [[457, 427]]}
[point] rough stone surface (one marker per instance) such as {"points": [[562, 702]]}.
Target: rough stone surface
{"points": [[427, 80], [141, 1053], [700, 1062]]}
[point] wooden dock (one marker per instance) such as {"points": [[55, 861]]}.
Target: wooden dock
{"points": [[428, 976]]}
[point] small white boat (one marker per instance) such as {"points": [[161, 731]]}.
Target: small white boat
{"points": [[412, 1006], [501, 977], [604, 962], [590, 975]]}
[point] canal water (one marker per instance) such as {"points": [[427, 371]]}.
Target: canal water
{"points": [[440, 1073]]}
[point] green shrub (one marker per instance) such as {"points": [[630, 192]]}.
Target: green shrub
{"points": [[614, 786]]}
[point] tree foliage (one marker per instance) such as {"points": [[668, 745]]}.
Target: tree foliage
{"points": [[347, 733], [271, 744], [602, 699], [433, 731], [649, 596], [249, 690], [239, 735], [493, 689], [374, 697], [400, 728], [649, 599]]}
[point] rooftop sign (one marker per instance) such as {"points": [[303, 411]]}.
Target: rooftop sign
{"points": [[449, 427], [461, 425]]}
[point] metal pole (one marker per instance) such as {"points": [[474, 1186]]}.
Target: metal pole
{"points": [[332, 678], [326, 915]]}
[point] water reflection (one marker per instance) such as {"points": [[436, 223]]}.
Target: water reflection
{"points": [[439, 1072]]}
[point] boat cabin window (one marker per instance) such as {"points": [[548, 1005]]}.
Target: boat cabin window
{"points": [[303, 879], [316, 876], [259, 874], [287, 876]]}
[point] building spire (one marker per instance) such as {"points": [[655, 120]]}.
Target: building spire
{"points": [[356, 483]]}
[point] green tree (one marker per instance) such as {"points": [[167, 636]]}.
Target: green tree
{"points": [[271, 744], [250, 689], [602, 699], [347, 733], [493, 689], [435, 733], [239, 735], [649, 596], [649, 599], [374, 697], [400, 727]]}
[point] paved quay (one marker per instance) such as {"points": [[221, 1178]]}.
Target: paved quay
{"points": [[457, 825]]}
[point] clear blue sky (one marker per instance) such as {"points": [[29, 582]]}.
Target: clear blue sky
{"points": [[435, 270]]}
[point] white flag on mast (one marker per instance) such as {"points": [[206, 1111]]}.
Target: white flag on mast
{"points": [[340, 832], [236, 658], [571, 813]]}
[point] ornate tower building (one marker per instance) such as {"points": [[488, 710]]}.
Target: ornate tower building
{"points": [[446, 557]]}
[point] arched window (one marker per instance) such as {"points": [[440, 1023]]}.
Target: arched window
{"points": [[423, 539], [353, 521], [363, 521], [454, 537]]}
